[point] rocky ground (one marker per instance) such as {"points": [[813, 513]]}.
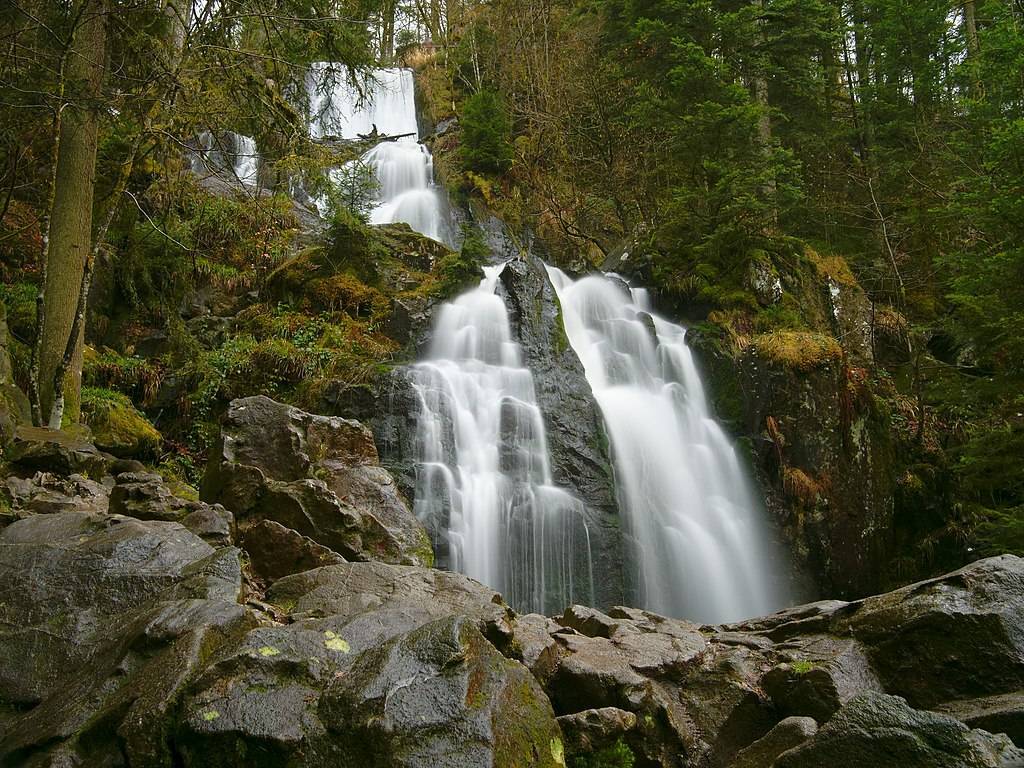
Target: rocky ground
{"points": [[291, 618]]}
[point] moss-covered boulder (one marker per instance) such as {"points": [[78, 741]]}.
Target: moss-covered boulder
{"points": [[117, 426]]}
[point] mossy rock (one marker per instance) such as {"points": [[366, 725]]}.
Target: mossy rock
{"points": [[798, 350], [117, 426]]}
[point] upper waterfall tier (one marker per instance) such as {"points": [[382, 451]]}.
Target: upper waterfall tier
{"points": [[384, 103], [698, 539], [484, 481]]}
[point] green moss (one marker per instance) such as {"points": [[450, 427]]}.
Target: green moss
{"points": [[798, 350], [802, 667], [618, 755], [117, 426], [136, 377]]}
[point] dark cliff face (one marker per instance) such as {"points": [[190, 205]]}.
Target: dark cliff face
{"points": [[827, 461], [575, 428]]}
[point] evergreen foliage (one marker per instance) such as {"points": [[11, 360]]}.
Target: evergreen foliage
{"points": [[486, 133]]}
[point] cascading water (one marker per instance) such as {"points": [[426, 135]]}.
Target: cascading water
{"points": [[698, 541], [230, 151], [484, 486], [404, 168]]}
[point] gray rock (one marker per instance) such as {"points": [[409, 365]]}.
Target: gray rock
{"points": [[877, 731], [56, 451], [382, 666], [275, 551], [441, 695], [46, 493], [212, 523], [594, 729], [995, 714], [959, 636], [103, 620], [318, 475], [575, 427], [590, 622], [790, 733], [357, 588]]}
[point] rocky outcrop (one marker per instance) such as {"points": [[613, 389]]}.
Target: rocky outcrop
{"points": [[103, 619], [875, 729], [575, 428], [826, 454], [136, 642], [318, 475]]}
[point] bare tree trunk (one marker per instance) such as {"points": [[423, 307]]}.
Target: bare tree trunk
{"points": [[71, 217]]}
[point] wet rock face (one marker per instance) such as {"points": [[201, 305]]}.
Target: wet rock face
{"points": [[825, 455], [380, 666], [316, 474], [876, 730], [103, 619], [575, 428]]}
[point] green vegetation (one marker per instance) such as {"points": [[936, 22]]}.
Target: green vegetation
{"points": [[803, 352], [117, 426], [486, 133], [618, 755]]}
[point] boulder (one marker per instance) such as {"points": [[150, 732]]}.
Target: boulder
{"points": [[595, 729], [441, 695], [352, 589], [46, 493], [318, 475], [147, 496], [380, 665], [275, 551], [789, 733], [117, 426], [58, 451], [877, 731], [996, 714], [103, 620], [959, 636]]}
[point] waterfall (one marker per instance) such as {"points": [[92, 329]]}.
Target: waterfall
{"points": [[229, 151], [404, 168], [246, 160], [696, 534], [484, 486]]}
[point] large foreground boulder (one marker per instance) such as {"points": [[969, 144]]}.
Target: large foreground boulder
{"points": [[380, 665], [877, 731], [102, 620], [318, 475]]}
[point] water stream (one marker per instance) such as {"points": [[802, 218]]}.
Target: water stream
{"points": [[484, 486], [404, 168], [695, 530]]}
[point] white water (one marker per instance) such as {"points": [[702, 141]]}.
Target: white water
{"points": [[234, 152], [246, 160], [404, 168], [696, 533], [484, 486]]}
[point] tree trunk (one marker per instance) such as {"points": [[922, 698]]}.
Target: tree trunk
{"points": [[971, 29], [764, 122], [72, 214]]}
